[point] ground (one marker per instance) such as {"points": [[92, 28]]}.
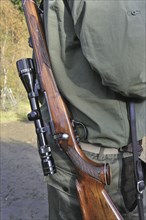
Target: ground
{"points": [[23, 189]]}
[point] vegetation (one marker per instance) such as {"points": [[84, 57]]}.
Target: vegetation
{"points": [[15, 113], [14, 46], [13, 41], [18, 3]]}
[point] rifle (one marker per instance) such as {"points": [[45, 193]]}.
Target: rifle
{"points": [[91, 176]]}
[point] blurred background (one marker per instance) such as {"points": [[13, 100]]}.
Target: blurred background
{"points": [[14, 46]]}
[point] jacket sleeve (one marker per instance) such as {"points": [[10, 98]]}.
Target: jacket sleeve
{"points": [[112, 37]]}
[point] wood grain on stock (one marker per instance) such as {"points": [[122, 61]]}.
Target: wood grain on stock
{"points": [[96, 195], [95, 201]]}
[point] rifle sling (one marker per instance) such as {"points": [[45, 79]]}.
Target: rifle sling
{"points": [[65, 3], [137, 162]]}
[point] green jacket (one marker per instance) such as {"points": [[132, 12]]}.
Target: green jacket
{"points": [[97, 51]]}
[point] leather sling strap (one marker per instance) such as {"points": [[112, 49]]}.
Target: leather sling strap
{"points": [[67, 6], [137, 162], [41, 6], [65, 3]]}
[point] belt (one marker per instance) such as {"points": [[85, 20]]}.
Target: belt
{"points": [[129, 149], [96, 149]]}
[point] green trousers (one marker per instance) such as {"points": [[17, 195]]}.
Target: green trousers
{"points": [[62, 195]]}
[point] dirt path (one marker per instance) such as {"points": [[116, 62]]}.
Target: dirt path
{"points": [[23, 189]]}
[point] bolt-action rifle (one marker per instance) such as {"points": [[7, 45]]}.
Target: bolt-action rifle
{"points": [[91, 176]]}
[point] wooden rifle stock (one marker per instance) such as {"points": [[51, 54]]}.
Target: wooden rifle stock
{"points": [[91, 177]]}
